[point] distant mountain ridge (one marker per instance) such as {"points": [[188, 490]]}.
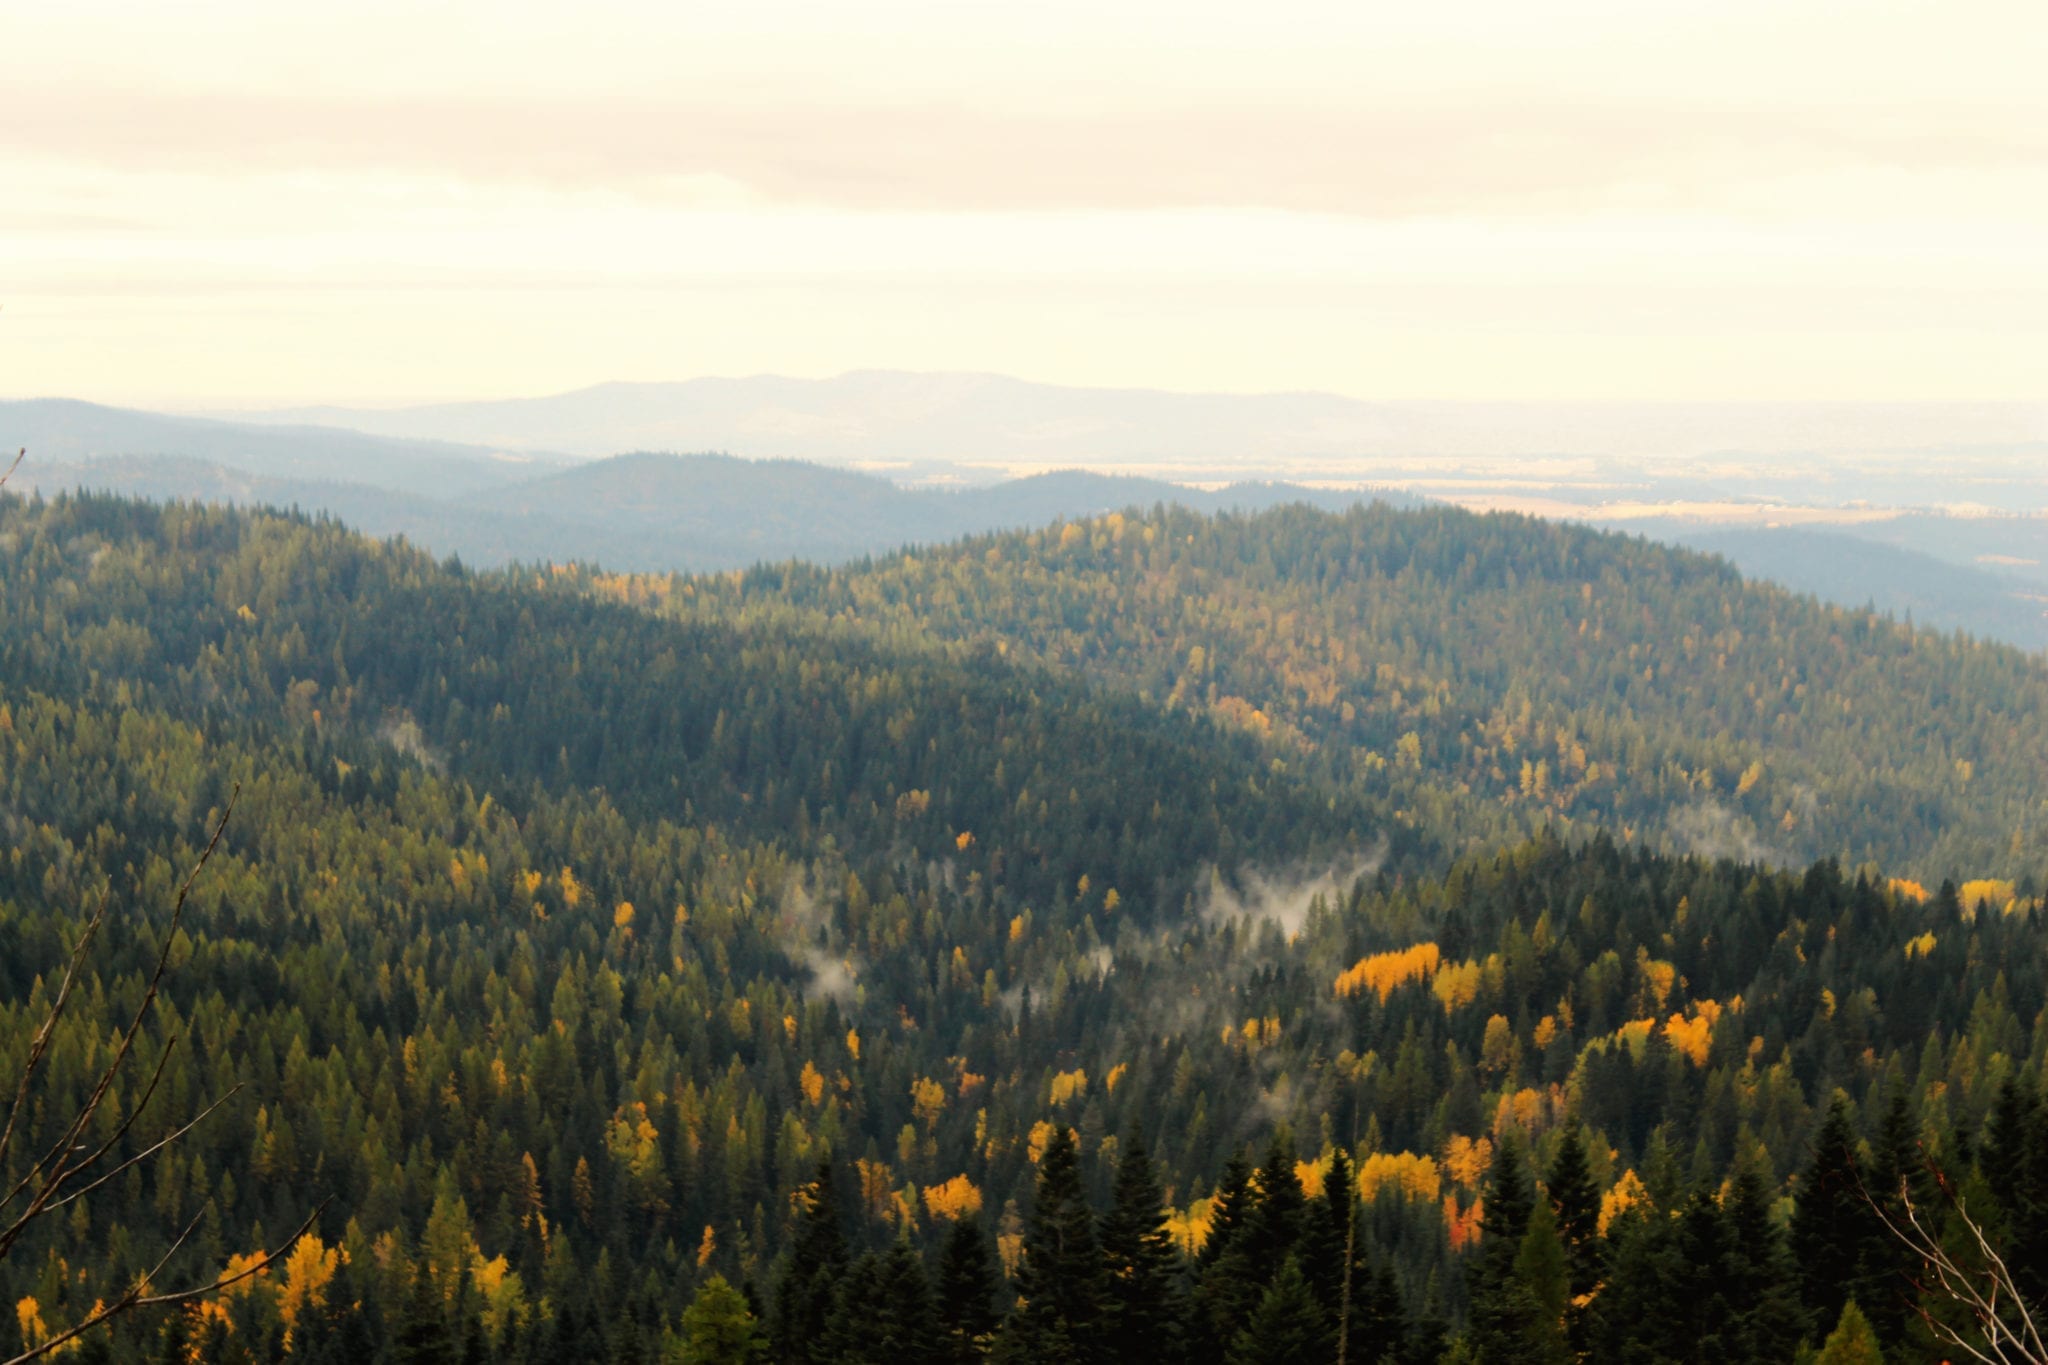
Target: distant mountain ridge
{"points": [[490, 505], [641, 512], [63, 431], [994, 421], [1858, 570]]}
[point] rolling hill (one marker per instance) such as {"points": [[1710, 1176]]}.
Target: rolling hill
{"points": [[583, 937], [1515, 672]]}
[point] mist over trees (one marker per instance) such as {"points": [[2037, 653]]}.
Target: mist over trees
{"points": [[1159, 937]]}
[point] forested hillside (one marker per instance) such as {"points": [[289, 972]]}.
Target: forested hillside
{"points": [[1502, 672], [800, 979]]}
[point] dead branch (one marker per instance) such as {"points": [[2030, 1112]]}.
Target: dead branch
{"points": [[66, 1159], [52, 1181], [138, 1295], [1987, 1293]]}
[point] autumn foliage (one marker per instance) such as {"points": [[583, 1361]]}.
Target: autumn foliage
{"points": [[1383, 973]]}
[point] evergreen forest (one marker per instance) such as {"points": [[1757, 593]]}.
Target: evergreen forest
{"points": [[1394, 935]]}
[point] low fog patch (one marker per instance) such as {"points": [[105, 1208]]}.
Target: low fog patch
{"points": [[1708, 829], [1283, 898]]}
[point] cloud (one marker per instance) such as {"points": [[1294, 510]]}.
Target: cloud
{"points": [[1708, 829], [1433, 156], [1283, 900], [403, 734], [812, 942]]}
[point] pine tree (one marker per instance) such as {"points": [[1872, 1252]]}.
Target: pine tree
{"points": [[1229, 1284], [719, 1329], [1506, 1314], [966, 1288], [1898, 1173], [423, 1336], [1229, 1206], [1543, 1271], [1852, 1342], [1510, 1196], [1763, 1286], [804, 1291], [883, 1314], [1060, 1280], [1833, 1225], [1575, 1199], [1274, 1224], [1638, 1314], [1330, 1255], [1287, 1327], [1142, 1312], [2016, 1167]]}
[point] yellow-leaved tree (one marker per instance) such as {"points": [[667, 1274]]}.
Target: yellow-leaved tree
{"points": [[93, 1146]]}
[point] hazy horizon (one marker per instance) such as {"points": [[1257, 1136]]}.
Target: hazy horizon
{"points": [[230, 206]]}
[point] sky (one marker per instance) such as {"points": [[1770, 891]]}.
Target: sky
{"points": [[249, 204]]}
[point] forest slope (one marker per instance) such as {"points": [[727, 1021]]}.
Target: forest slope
{"points": [[558, 945], [1518, 672]]}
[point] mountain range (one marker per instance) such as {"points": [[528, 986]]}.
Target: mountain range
{"points": [[1001, 424], [921, 459]]}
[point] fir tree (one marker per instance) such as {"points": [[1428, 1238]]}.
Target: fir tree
{"points": [[719, 1329], [1510, 1196], [572, 1337], [1331, 1257], [1833, 1225], [1142, 1315], [1275, 1222], [1544, 1273], [909, 1332], [1763, 1286], [805, 1289], [1852, 1342], [1702, 1312], [2015, 1165], [1287, 1327], [1060, 1280], [883, 1312], [966, 1289], [1229, 1283], [1575, 1199], [1380, 1327], [853, 1316], [1898, 1174], [1229, 1206], [423, 1336], [174, 1343], [1428, 1329], [1633, 1317], [1506, 1313]]}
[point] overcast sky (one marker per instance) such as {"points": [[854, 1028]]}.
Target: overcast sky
{"points": [[208, 204]]}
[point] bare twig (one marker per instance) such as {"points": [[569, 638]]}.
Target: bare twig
{"points": [[1988, 1293], [19, 456], [151, 1150], [138, 1296], [59, 1165], [51, 1182], [41, 1043]]}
